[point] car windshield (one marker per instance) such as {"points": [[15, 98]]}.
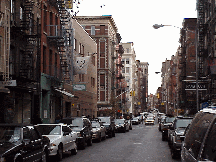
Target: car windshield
{"points": [[150, 118], [10, 134], [169, 119], [106, 120], [183, 123], [49, 129], [78, 122], [119, 121], [95, 125]]}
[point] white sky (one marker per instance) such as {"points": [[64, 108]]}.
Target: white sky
{"points": [[134, 20]]}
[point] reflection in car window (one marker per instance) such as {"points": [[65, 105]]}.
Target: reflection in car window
{"points": [[95, 125], [50, 129], [210, 145], [169, 120], [77, 122], [182, 123], [10, 134], [119, 121], [150, 118]]}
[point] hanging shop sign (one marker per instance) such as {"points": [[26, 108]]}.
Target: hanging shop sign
{"points": [[79, 87], [8, 83]]}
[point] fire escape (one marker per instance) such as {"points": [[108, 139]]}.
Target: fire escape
{"points": [[4, 57], [63, 37], [30, 56]]}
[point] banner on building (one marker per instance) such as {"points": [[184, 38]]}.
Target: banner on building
{"points": [[81, 65]]}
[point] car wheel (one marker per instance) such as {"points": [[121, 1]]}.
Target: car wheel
{"points": [[74, 151], [44, 157], [89, 143], [163, 137], [104, 137], [60, 153], [173, 154], [99, 139], [113, 133]]}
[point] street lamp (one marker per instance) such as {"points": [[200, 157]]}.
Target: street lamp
{"points": [[156, 26]]}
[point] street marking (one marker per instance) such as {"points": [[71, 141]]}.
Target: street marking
{"points": [[138, 143]]}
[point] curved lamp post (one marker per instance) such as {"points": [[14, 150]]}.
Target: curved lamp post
{"points": [[156, 26]]}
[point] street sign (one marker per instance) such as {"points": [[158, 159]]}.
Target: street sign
{"points": [[8, 83], [192, 86], [79, 87]]}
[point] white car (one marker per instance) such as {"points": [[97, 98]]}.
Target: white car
{"points": [[62, 139], [149, 121]]}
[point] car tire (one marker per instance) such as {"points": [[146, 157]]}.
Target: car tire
{"points": [[44, 157], [113, 133], [163, 137], [173, 153], [89, 143], [104, 138], [60, 153], [74, 151]]}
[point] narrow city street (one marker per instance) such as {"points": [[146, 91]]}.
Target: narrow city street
{"points": [[143, 143]]}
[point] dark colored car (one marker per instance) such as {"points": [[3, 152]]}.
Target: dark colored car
{"points": [[19, 142], [121, 125], [199, 142], [161, 122], [175, 134], [109, 123], [83, 127], [165, 126]]}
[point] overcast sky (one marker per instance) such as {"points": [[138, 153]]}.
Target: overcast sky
{"points": [[134, 20]]}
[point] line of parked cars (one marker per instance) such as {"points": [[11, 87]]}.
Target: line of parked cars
{"points": [[41, 142], [173, 131]]}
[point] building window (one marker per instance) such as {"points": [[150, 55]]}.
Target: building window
{"points": [[127, 70], [51, 23], [55, 64], [45, 18], [92, 82], [92, 30], [93, 60], [81, 77], [82, 52], [123, 61], [50, 62], [102, 49], [21, 12], [127, 61], [102, 29], [123, 70], [75, 44], [80, 48], [127, 49], [44, 59]]}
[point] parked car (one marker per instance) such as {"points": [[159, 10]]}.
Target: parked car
{"points": [[149, 121], [165, 126], [199, 142], [121, 125], [62, 139], [98, 131], [20, 142], [83, 127], [161, 122], [160, 115], [175, 134], [109, 123], [135, 121]]}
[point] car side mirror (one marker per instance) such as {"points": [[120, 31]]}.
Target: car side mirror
{"points": [[66, 133]]}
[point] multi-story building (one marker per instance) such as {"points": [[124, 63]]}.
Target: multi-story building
{"points": [[104, 31], [128, 71], [84, 83], [187, 66], [144, 85]]}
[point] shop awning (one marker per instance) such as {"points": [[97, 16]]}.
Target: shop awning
{"points": [[64, 92]]}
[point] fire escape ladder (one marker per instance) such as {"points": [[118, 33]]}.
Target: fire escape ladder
{"points": [[6, 53], [27, 63], [201, 34], [64, 43]]}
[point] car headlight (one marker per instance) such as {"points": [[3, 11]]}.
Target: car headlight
{"points": [[52, 144], [2, 159]]}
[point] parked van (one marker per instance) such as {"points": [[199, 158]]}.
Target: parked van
{"points": [[199, 142]]}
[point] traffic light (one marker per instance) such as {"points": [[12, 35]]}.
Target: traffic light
{"points": [[131, 93]]}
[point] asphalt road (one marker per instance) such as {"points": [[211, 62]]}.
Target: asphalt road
{"points": [[141, 144]]}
